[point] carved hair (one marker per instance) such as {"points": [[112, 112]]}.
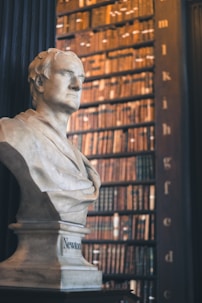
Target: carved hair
{"points": [[40, 64]]}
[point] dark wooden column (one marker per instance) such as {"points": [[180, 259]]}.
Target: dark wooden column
{"points": [[174, 253], [194, 46]]}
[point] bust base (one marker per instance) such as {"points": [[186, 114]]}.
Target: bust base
{"points": [[49, 256]]}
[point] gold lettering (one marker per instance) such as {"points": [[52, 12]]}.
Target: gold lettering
{"points": [[166, 76], [166, 187], [166, 162], [166, 129], [163, 23], [167, 221], [164, 49], [167, 294], [164, 103], [169, 257]]}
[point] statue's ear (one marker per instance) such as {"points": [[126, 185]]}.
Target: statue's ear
{"points": [[39, 83]]}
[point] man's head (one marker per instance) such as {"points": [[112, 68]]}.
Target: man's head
{"points": [[51, 69]]}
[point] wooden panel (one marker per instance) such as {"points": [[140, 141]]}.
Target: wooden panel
{"points": [[172, 155]]}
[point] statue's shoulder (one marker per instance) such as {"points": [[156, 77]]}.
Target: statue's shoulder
{"points": [[10, 128], [6, 124]]}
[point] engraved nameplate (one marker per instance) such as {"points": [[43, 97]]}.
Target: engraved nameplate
{"points": [[70, 245]]}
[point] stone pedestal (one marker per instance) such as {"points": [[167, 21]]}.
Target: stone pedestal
{"points": [[49, 256]]}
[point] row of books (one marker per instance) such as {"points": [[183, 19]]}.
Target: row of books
{"points": [[105, 39], [64, 6], [144, 289], [118, 87], [68, 5], [136, 168], [112, 115], [118, 60], [120, 258], [121, 227], [95, 33], [121, 10], [139, 260], [115, 141], [130, 197], [74, 22]]}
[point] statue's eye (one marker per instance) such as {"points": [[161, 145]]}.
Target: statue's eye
{"points": [[66, 73]]}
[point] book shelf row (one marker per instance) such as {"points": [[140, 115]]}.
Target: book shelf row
{"points": [[121, 259], [68, 5], [122, 59], [136, 168], [112, 115], [86, 42], [101, 15], [121, 227], [118, 87], [121, 11], [115, 129], [115, 141], [125, 198]]}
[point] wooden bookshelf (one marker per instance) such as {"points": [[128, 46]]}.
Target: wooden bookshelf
{"points": [[115, 129], [132, 125]]}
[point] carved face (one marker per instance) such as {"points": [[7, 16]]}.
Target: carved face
{"points": [[63, 88]]}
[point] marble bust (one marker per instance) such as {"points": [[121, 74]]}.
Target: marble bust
{"points": [[51, 172], [57, 182]]}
